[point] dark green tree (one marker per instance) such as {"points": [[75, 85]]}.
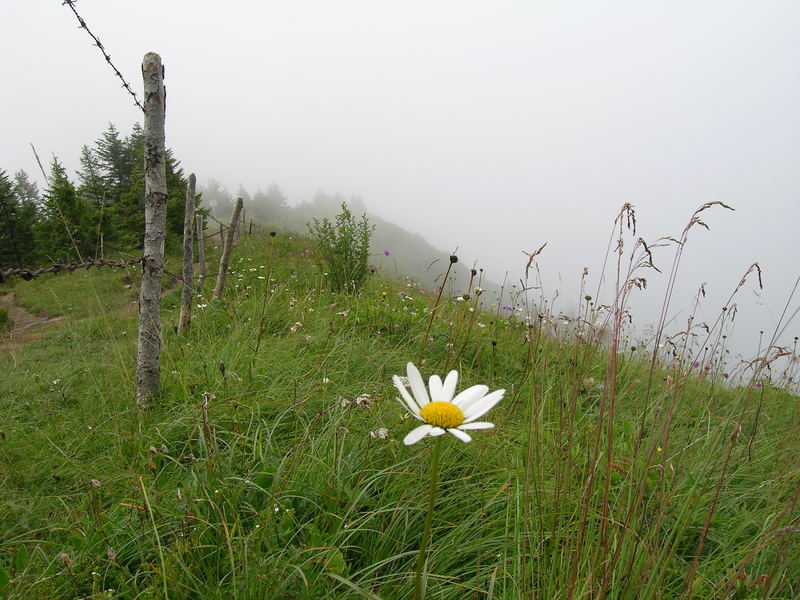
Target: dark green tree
{"points": [[65, 230], [28, 202], [10, 254]]}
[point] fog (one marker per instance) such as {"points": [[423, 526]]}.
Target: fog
{"points": [[487, 127]]}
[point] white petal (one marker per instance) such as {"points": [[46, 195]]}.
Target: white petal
{"points": [[476, 425], [449, 386], [464, 437], [417, 385], [470, 396], [483, 406], [412, 404], [435, 383], [437, 431], [413, 414], [417, 434]]}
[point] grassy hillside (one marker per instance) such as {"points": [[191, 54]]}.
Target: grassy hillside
{"points": [[257, 475]]}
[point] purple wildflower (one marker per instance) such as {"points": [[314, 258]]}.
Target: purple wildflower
{"points": [[386, 253]]}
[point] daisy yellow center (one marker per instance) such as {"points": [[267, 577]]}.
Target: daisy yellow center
{"points": [[442, 414]]}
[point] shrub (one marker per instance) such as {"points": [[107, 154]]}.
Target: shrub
{"points": [[344, 245]]}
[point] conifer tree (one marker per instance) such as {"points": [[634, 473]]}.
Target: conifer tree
{"points": [[9, 221], [65, 229]]}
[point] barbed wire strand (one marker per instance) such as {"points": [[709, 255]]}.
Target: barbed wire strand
{"points": [[28, 274], [106, 55]]}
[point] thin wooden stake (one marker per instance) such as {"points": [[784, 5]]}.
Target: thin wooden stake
{"points": [[201, 253], [226, 249], [188, 259]]}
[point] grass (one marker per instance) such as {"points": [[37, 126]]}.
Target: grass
{"points": [[254, 477]]}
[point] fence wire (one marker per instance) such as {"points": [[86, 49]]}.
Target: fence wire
{"points": [[106, 55]]}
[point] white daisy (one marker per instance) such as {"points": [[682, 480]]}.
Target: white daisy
{"points": [[440, 412]]}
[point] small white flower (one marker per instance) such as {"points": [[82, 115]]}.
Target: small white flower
{"points": [[442, 413]]}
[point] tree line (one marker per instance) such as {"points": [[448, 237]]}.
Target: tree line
{"points": [[98, 211]]}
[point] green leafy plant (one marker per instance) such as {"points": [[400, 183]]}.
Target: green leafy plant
{"points": [[344, 246]]}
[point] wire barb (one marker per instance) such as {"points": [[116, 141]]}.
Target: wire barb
{"points": [[28, 274], [82, 24]]}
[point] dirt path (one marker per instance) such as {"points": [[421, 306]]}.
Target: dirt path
{"points": [[26, 326]]}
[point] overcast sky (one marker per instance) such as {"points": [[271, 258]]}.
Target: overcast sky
{"points": [[491, 126]]}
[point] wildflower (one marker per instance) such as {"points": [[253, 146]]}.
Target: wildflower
{"points": [[386, 253], [725, 375], [695, 364], [441, 412], [325, 381], [364, 401], [379, 434], [294, 328]]}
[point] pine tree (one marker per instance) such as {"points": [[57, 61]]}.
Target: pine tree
{"points": [[9, 251], [28, 201], [65, 229]]}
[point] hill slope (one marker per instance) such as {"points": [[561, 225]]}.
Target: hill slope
{"points": [[273, 464]]}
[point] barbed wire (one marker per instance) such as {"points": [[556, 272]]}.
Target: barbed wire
{"points": [[106, 55], [28, 274]]}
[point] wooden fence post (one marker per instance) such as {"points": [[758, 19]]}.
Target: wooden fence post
{"points": [[148, 352], [188, 259], [226, 250], [201, 253]]}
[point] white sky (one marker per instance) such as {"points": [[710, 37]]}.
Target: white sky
{"points": [[492, 126]]}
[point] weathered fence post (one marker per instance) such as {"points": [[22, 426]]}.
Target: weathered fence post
{"points": [[201, 253], [221, 235], [188, 260], [148, 353], [226, 249]]}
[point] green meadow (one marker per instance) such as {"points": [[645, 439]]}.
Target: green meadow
{"points": [[272, 466]]}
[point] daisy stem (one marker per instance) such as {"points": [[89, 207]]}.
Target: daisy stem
{"points": [[426, 533]]}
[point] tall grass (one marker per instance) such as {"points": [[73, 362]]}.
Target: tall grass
{"points": [[610, 474]]}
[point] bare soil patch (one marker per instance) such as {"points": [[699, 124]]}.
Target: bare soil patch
{"points": [[26, 326]]}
